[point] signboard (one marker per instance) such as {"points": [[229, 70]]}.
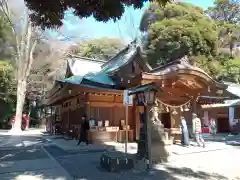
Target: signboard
{"points": [[127, 100]]}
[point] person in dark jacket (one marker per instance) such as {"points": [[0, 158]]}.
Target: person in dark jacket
{"points": [[84, 131], [184, 131]]}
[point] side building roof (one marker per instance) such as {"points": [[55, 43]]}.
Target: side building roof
{"points": [[79, 66]]}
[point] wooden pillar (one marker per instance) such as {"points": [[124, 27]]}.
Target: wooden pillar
{"points": [[68, 119], [87, 110], [194, 105]]}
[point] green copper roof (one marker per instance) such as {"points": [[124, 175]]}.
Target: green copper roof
{"points": [[74, 79], [121, 59], [100, 78]]}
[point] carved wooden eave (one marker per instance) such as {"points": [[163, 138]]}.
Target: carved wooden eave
{"points": [[180, 80], [184, 72], [226, 104]]}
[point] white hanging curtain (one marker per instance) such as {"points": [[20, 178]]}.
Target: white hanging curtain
{"points": [[231, 111]]}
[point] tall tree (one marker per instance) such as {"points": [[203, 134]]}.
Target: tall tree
{"points": [[228, 38], [6, 39], [7, 81], [177, 30], [102, 48], [225, 10], [226, 14], [7, 89], [26, 38], [51, 13]]}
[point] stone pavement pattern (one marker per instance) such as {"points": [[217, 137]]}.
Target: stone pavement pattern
{"points": [[35, 158], [215, 162], [82, 166], [24, 158]]}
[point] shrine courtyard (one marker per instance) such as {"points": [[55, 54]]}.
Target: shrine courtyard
{"points": [[218, 161]]}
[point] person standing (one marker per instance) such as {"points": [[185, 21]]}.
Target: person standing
{"points": [[197, 130], [84, 131], [213, 126], [184, 131]]}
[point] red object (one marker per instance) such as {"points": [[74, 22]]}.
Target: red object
{"points": [[205, 130], [25, 121]]}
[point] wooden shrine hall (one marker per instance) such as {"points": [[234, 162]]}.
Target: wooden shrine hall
{"points": [[95, 88]]}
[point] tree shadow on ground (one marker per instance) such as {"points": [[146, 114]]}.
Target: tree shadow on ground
{"points": [[21, 154], [85, 167], [12, 142], [38, 175], [22, 157], [228, 140], [184, 172]]}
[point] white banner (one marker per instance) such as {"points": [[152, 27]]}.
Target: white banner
{"points": [[205, 118], [231, 111]]}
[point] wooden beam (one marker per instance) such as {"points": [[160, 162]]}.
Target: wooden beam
{"points": [[83, 89], [104, 104], [170, 101], [179, 91]]}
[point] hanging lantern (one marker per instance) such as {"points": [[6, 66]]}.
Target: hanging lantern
{"points": [[149, 96], [186, 108], [174, 112], [181, 108], [140, 98]]}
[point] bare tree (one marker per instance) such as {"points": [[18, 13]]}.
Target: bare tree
{"points": [[27, 37], [48, 63]]}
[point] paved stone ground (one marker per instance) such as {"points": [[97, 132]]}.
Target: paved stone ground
{"points": [[207, 166], [24, 158], [220, 163], [34, 158], [16, 142]]}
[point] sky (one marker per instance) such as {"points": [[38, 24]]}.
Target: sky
{"points": [[125, 29]]}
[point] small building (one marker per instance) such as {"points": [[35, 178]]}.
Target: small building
{"points": [[227, 112], [95, 88]]}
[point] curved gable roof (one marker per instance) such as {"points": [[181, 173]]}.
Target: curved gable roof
{"points": [[123, 58], [182, 66]]}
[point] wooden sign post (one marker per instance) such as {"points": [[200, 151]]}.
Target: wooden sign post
{"points": [[127, 101]]}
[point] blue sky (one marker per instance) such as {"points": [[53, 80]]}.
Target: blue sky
{"points": [[125, 28]]}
